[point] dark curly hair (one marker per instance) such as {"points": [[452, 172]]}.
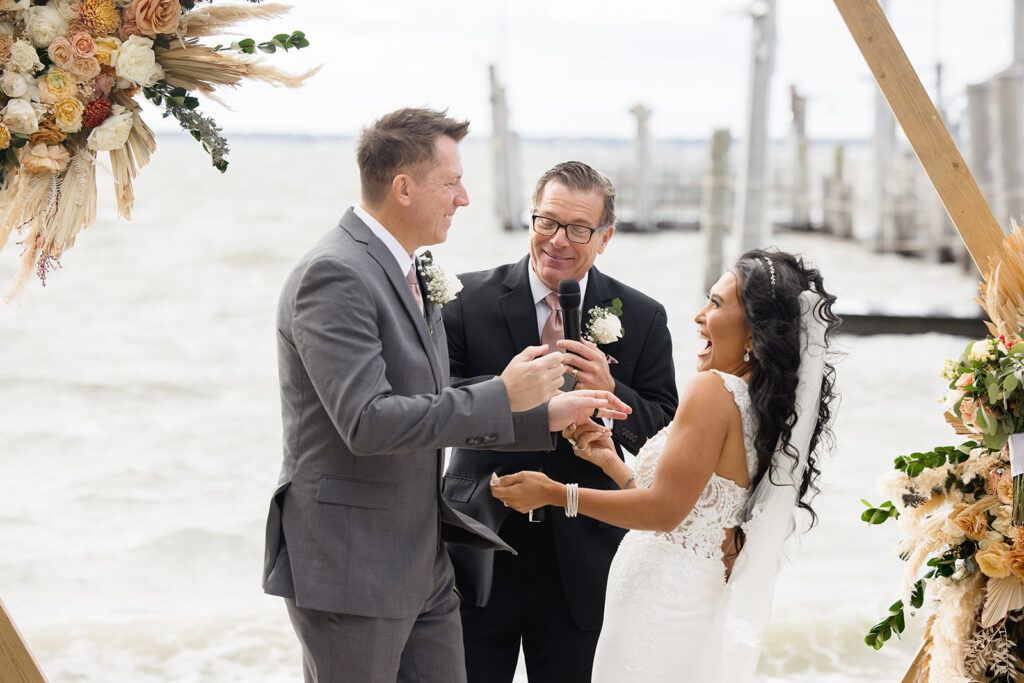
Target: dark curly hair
{"points": [[769, 286]]}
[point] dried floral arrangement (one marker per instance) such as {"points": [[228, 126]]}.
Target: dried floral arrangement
{"points": [[959, 507], [70, 75]]}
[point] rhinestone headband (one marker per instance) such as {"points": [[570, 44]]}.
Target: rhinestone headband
{"points": [[770, 267]]}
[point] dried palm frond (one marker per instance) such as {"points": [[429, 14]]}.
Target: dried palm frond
{"points": [[1001, 597], [918, 672], [126, 162], [209, 20], [192, 66], [1002, 292], [76, 206], [31, 203]]}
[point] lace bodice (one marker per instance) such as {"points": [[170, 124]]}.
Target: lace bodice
{"points": [[720, 504]]}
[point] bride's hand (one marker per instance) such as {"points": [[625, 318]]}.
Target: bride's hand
{"points": [[591, 442], [525, 490]]}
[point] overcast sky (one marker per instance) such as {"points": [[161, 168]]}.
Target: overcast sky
{"points": [[576, 67]]}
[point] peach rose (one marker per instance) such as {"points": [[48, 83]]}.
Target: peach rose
{"points": [[156, 16], [68, 115], [83, 44], [965, 379], [1004, 488], [45, 159], [85, 68], [1015, 561], [968, 410], [55, 86], [974, 525], [5, 137], [61, 53], [105, 47], [993, 561]]}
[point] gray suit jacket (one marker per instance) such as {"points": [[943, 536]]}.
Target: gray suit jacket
{"points": [[357, 518]]}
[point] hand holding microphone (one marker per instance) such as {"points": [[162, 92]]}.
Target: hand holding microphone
{"points": [[569, 301]]}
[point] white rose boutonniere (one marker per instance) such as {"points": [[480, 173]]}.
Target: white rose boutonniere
{"points": [[442, 286], [604, 326]]}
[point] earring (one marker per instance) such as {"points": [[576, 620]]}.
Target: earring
{"points": [[746, 356]]}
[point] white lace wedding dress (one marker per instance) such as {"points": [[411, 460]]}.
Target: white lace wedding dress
{"points": [[665, 588]]}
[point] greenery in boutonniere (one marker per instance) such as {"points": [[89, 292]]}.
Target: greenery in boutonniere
{"points": [[442, 286], [604, 326]]}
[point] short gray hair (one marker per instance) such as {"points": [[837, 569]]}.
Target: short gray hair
{"points": [[580, 177]]}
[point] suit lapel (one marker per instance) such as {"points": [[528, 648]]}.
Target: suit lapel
{"points": [[518, 307], [598, 294], [379, 253]]}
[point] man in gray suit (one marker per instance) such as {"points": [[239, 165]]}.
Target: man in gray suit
{"points": [[355, 529]]}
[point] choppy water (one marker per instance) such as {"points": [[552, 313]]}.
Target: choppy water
{"points": [[140, 428]]}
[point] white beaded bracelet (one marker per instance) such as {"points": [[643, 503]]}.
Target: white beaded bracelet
{"points": [[572, 499]]}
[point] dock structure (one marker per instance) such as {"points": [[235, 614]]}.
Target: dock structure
{"points": [[752, 228], [643, 220], [800, 199], [507, 202], [714, 207]]}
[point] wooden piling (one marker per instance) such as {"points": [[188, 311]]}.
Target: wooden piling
{"points": [[16, 662]]}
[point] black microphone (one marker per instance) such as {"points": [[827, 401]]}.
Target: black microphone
{"points": [[569, 301]]}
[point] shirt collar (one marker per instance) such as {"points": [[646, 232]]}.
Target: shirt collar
{"points": [[404, 259], [541, 290]]}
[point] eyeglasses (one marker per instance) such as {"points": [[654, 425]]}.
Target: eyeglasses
{"points": [[580, 234]]}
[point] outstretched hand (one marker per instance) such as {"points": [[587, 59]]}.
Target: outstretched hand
{"points": [[525, 491], [575, 407], [532, 377], [591, 442]]}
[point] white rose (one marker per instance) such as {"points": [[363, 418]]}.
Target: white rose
{"points": [[68, 12], [112, 133], [14, 84], [980, 351], [43, 24], [136, 61], [606, 328], [24, 57], [20, 117]]}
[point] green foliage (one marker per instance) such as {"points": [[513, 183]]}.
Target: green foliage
{"points": [[880, 514], [616, 307], [895, 622], [177, 102], [915, 463], [284, 41]]}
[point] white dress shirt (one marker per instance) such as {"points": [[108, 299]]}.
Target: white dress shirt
{"points": [[404, 259]]}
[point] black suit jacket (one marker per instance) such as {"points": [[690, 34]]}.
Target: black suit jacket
{"points": [[493, 319]]}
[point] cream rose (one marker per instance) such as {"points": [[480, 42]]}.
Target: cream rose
{"points": [[45, 159], [606, 329], [105, 47], [156, 16], [24, 57], [68, 11], [981, 351], [44, 23], [112, 133], [993, 561], [135, 61], [56, 85], [20, 117], [1001, 523], [68, 114], [61, 53], [13, 84]]}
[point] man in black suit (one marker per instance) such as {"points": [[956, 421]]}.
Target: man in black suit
{"points": [[551, 596]]}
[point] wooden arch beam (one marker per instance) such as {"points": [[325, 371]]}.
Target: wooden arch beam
{"points": [[924, 129]]}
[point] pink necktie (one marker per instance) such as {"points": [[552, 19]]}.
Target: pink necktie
{"points": [[414, 285], [553, 330]]}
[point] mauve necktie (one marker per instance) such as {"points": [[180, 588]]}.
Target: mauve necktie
{"points": [[553, 330], [414, 285]]}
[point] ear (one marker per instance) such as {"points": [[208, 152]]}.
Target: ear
{"points": [[605, 238], [401, 189]]}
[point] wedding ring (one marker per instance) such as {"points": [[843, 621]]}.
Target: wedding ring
{"points": [[506, 504], [575, 371]]}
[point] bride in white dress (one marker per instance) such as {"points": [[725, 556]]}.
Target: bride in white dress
{"points": [[714, 494]]}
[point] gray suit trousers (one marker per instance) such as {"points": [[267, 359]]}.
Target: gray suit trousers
{"points": [[423, 648]]}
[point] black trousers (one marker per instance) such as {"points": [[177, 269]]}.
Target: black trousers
{"points": [[528, 606]]}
